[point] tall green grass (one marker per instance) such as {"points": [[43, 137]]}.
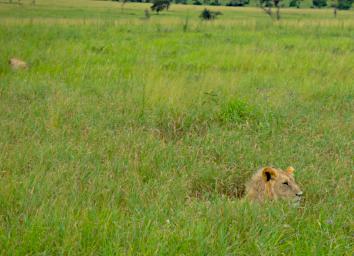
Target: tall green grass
{"points": [[135, 137]]}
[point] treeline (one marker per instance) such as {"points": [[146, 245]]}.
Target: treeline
{"points": [[338, 4]]}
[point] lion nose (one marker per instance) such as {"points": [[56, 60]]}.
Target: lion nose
{"points": [[299, 193]]}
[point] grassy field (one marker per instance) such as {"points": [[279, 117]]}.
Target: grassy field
{"points": [[133, 136]]}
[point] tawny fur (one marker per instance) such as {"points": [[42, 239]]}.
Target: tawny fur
{"points": [[271, 184], [17, 64]]}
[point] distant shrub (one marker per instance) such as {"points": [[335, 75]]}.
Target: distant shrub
{"points": [[319, 3], [197, 2], [237, 3], [209, 15], [267, 5], [160, 5]]}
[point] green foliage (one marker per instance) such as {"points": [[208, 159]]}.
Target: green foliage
{"points": [[236, 111], [181, 1], [343, 4], [295, 3], [215, 3], [238, 3], [319, 3], [266, 3]]}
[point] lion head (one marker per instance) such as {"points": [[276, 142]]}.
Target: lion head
{"points": [[271, 184]]}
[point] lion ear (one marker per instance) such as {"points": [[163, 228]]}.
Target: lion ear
{"points": [[290, 170], [269, 173]]}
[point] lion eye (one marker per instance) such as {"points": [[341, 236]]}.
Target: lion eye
{"points": [[286, 183]]}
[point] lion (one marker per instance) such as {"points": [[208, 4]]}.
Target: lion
{"points": [[269, 183], [17, 64]]}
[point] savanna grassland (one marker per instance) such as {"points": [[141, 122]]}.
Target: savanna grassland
{"points": [[135, 136]]}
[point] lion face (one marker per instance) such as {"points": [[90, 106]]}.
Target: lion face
{"points": [[281, 184]]}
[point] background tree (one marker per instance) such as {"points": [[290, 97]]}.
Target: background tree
{"points": [[335, 7], [295, 3], [319, 3], [341, 5], [345, 4], [237, 3], [267, 5], [180, 1], [215, 2]]}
